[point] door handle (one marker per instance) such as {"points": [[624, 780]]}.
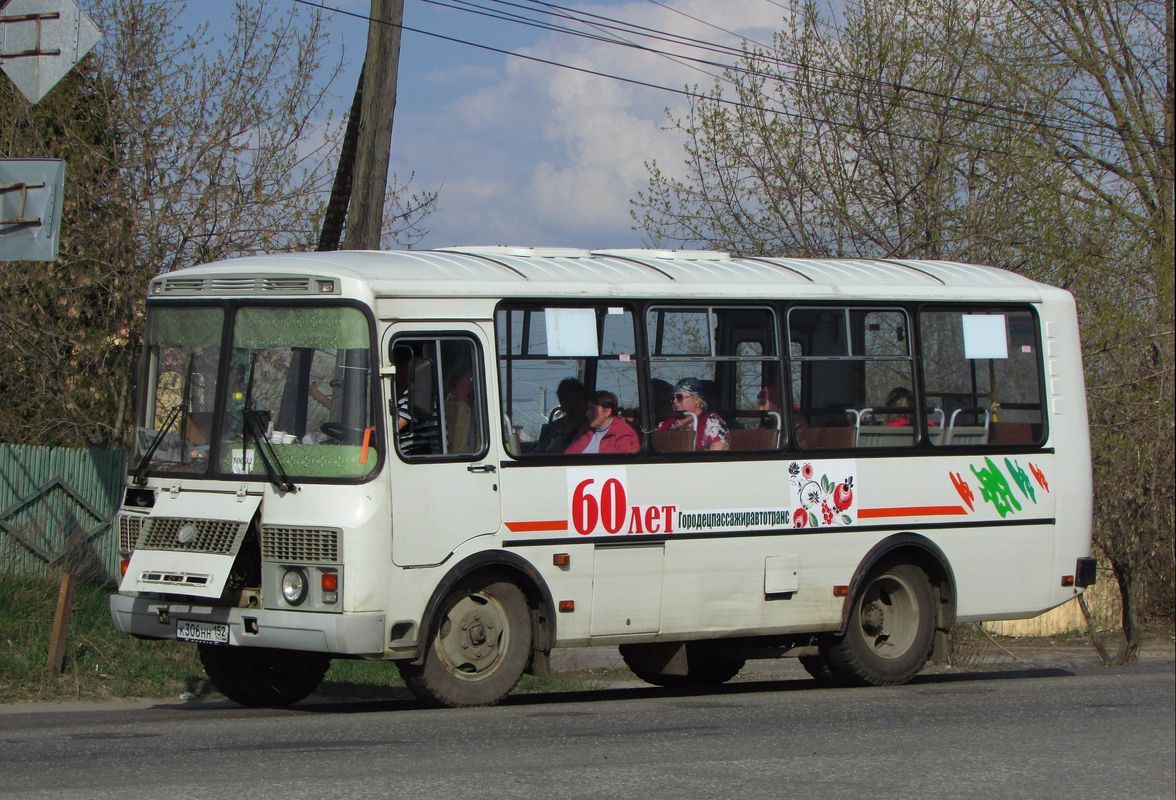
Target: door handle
{"points": [[482, 468]]}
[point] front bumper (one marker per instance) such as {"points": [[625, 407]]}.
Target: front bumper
{"points": [[343, 634]]}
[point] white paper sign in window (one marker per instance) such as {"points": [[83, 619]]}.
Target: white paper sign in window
{"points": [[985, 336], [571, 332]]}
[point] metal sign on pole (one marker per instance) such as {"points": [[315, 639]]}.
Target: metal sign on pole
{"points": [[31, 195], [41, 40]]}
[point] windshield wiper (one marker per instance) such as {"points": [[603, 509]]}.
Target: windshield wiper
{"points": [[140, 477], [252, 426], [265, 448]]}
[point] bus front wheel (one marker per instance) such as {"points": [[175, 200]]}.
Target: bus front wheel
{"points": [[261, 677], [479, 649], [890, 631]]}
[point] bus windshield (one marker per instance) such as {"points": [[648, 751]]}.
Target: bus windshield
{"points": [[296, 380]]}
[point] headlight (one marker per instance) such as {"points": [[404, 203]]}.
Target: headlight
{"points": [[294, 586]]}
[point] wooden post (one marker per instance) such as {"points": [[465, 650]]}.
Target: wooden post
{"points": [[365, 215], [58, 636]]}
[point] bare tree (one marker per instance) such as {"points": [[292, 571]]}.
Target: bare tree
{"points": [[1034, 135], [1111, 65], [183, 147]]}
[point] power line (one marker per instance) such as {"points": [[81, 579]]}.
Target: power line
{"points": [[1008, 124]]}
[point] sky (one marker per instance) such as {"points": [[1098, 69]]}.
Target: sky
{"points": [[523, 153]]}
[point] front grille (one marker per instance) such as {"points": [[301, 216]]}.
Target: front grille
{"points": [[130, 526], [205, 535], [300, 545]]}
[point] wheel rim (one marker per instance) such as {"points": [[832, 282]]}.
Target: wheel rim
{"points": [[473, 637], [888, 617]]}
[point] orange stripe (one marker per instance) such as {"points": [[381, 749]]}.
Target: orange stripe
{"points": [[911, 511], [537, 525]]}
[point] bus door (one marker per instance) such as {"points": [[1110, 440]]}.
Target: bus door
{"points": [[442, 466]]}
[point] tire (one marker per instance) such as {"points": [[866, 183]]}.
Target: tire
{"points": [[261, 677], [890, 632], [818, 668], [480, 646], [702, 669]]}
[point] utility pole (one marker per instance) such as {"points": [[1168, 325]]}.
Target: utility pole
{"points": [[378, 106]]}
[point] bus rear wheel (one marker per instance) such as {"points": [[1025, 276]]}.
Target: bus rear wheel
{"points": [[890, 631], [260, 677], [480, 647]]}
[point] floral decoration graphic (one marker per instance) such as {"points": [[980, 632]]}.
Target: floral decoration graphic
{"points": [[996, 488], [824, 501]]}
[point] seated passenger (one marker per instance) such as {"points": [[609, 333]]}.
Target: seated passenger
{"points": [[710, 431], [899, 397], [606, 432], [573, 402], [767, 402]]}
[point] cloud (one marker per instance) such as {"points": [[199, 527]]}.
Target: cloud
{"points": [[552, 156]]}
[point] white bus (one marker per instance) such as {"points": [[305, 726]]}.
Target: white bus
{"points": [[389, 455]]}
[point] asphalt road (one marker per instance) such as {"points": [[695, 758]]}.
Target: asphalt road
{"points": [[1032, 733]]}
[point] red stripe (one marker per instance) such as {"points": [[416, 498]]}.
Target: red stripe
{"points": [[537, 525], [911, 511]]}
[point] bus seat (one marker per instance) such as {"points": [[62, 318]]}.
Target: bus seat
{"points": [[754, 439], [1012, 433], [967, 435], [198, 426], [885, 436], [459, 425], [825, 437], [673, 441]]}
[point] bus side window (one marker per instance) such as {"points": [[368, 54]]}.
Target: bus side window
{"points": [[715, 378], [551, 361], [981, 370], [852, 378], [440, 409]]}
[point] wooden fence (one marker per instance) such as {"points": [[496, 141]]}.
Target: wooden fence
{"points": [[56, 510]]}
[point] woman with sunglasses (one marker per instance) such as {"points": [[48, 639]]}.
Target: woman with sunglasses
{"points": [[710, 431]]}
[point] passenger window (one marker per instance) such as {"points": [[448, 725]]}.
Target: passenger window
{"points": [[715, 379], [981, 370], [440, 410], [852, 378], [558, 367]]}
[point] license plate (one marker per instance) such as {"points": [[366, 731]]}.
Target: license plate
{"points": [[202, 632]]}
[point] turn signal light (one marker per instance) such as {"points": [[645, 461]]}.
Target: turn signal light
{"points": [[561, 559], [330, 582], [1067, 580], [840, 591], [567, 606], [123, 566]]}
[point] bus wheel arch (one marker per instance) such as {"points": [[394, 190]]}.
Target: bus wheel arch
{"points": [[508, 596], [899, 609]]}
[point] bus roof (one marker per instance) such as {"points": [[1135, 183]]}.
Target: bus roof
{"points": [[546, 272]]}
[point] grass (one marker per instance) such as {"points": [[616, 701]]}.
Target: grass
{"points": [[102, 663], [99, 662]]}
